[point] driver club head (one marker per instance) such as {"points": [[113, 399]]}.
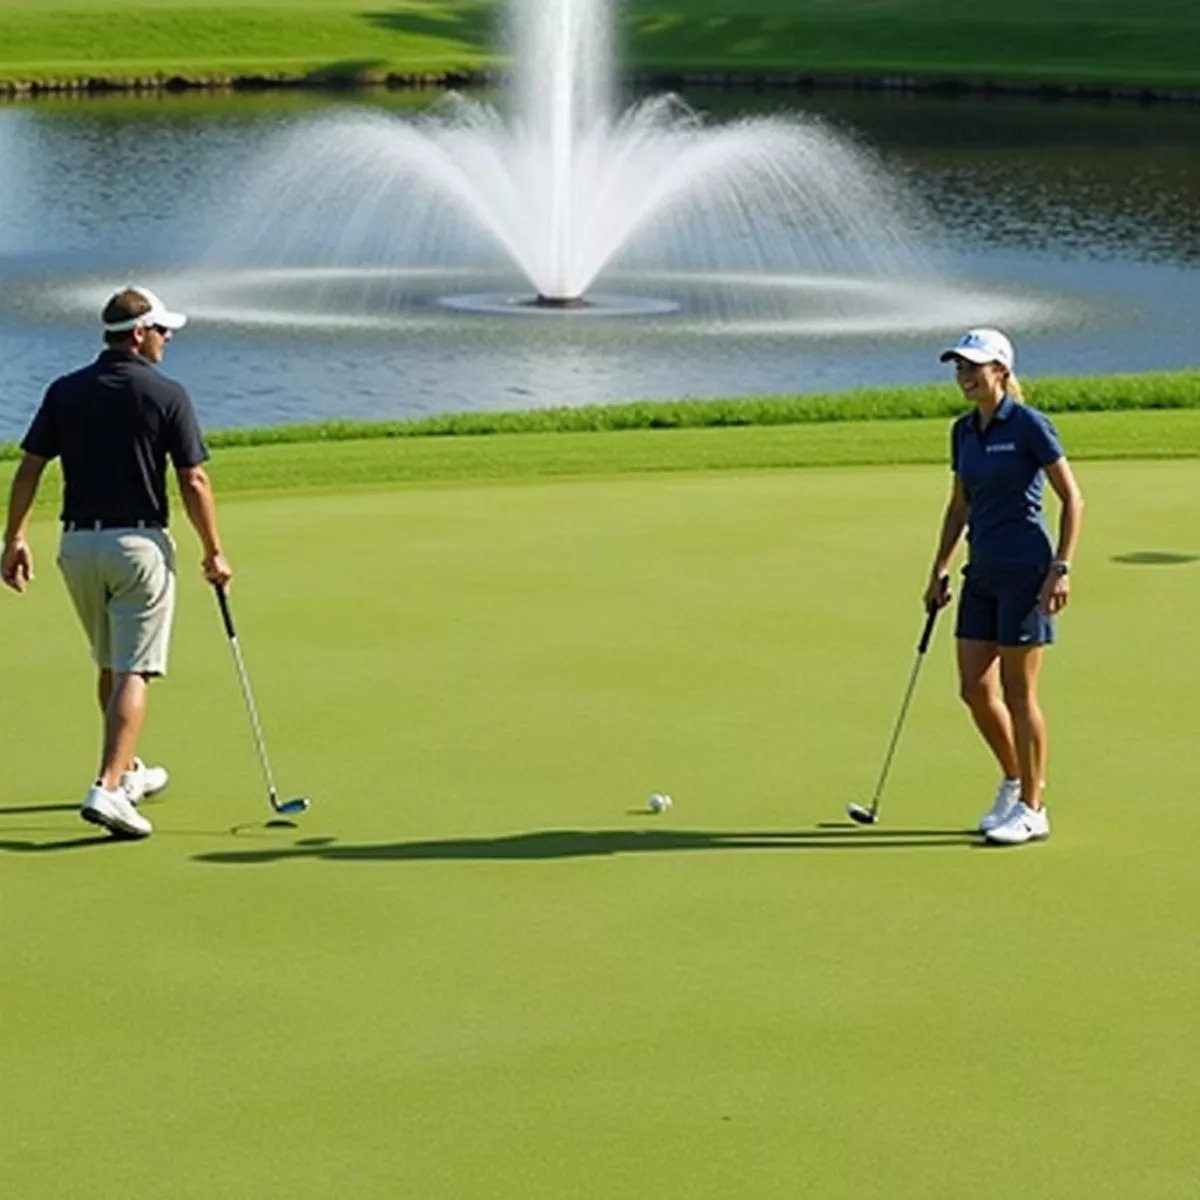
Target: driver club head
{"points": [[861, 815]]}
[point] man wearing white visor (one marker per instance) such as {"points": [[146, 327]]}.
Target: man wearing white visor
{"points": [[114, 424]]}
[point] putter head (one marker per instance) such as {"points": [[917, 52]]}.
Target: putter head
{"points": [[863, 816], [288, 807]]}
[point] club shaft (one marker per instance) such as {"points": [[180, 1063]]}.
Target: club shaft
{"points": [[248, 696], [931, 616], [891, 750]]}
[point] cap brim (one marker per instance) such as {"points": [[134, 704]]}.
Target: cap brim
{"points": [[170, 320], [975, 356]]}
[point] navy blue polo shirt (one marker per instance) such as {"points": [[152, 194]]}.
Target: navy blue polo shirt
{"points": [[115, 423], [1002, 469]]}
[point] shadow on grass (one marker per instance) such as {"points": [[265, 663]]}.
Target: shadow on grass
{"points": [[575, 843], [347, 72], [26, 810], [75, 843], [11, 845], [1155, 558], [473, 25]]}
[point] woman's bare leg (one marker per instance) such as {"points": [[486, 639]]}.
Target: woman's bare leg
{"points": [[1019, 669], [979, 685]]}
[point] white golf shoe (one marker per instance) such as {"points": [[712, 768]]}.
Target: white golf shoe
{"points": [[143, 781], [1025, 825], [1008, 796], [114, 812]]}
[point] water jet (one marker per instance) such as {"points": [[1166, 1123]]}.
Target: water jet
{"points": [[557, 187]]}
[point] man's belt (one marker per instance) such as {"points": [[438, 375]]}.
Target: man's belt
{"points": [[93, 523]]}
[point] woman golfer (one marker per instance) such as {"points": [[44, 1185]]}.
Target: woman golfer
{"points": [[1015, 580]]}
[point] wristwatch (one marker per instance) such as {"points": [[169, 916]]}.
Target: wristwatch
{"points": [[1060, 567]]}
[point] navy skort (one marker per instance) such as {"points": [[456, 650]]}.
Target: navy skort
{"points": [[1003, 605]]}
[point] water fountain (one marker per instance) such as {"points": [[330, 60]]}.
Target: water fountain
{"points": [[768, 220]]}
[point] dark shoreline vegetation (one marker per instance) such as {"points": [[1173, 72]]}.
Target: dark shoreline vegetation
{"points": [[335, 81], [1098, 49]]}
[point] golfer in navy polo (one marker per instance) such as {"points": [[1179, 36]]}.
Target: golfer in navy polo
{"points": [[1016, 579], [115, 424]]}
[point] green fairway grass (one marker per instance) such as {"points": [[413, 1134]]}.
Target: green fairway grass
{"points": [[1055, 40], [479, 969], [375, 460]]}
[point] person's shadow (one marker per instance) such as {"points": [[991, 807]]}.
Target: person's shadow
{"points": [[529, 846], [580, 843], [9, 845]]}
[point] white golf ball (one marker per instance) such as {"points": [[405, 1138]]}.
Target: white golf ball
{"points": [[660, 802]]}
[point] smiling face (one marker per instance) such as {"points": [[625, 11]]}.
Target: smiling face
{"points": [[981, 383]]}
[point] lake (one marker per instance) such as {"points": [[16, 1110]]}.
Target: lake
{"points": [[1075, 225]]}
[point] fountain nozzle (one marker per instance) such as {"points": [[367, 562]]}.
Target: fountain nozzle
{"points": [[561, 302]]}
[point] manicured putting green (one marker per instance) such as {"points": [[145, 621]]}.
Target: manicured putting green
{"points": [[477, 969]]}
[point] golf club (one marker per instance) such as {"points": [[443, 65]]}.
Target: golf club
{"points": [[868, 815], [288, 807]]}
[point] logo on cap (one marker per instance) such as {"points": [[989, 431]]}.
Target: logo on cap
{"points": [[982, 346]]}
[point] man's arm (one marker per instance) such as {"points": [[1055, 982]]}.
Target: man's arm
{"points": [[195, 490], [16, 568]]}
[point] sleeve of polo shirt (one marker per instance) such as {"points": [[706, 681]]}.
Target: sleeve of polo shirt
{"points": [[954, 447], [42, 436], [1043, 440], [185, 443]]}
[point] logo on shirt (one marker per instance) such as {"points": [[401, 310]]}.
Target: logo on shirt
{"points": [[1002, 448]]}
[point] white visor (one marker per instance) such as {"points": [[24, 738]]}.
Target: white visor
{"points": [[157, 314]]}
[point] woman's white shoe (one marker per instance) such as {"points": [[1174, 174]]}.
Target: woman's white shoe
{"points": [[1025, 825], [1008, 796]]}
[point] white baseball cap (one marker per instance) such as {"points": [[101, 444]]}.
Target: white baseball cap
{"points": [[982, 346], [157, 314]]}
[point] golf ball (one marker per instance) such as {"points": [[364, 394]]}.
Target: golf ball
{"points": [[660, 802]]}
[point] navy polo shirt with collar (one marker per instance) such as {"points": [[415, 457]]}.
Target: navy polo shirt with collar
{"points": [[114, 424], [1002, 470]]}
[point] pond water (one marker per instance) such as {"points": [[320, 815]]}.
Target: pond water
{"points": [[1076, 226]]}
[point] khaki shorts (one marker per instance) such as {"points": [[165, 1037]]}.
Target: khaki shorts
{"points": [[122, 583]]}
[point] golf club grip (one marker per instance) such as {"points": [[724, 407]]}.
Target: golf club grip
{"points": [[226, 612], [931, 618]]}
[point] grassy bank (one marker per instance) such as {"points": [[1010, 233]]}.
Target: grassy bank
{"points": [[1148, 416], [304, 467], [1147, 391], [1073, 41], [1153, 391]]}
